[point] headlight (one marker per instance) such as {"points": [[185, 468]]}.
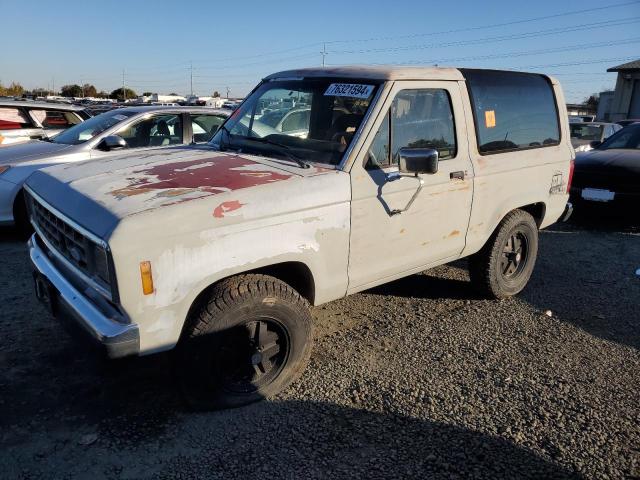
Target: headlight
{"points": [[584, 148], [4, 168], [101, 263]]}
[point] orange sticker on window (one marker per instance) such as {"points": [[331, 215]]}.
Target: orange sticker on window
{"points": [[490, 118]]}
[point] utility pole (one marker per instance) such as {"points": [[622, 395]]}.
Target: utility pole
{"points": [[124, 91], [228, 90], [323, 52], [191, 63]]}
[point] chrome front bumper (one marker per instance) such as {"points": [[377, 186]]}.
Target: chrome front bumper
{"points": [[118, 339]]}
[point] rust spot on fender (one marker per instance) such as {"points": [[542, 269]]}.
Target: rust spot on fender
{"points": [[226, 207], [402, 231], [212, 175], [454, 233]]}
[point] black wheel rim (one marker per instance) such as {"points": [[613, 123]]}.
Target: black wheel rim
{"points": [[515, 255], [252, 355]]}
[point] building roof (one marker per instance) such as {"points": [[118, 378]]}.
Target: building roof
{"points": [[634, 65]]}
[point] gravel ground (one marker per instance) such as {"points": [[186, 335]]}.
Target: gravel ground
{"points": [[418, 378]]}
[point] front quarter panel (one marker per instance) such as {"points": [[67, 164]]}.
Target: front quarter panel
{"points": [[192, 245]]}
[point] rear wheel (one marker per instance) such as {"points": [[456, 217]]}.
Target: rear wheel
{"points": [[504, 265], [249, 340]]}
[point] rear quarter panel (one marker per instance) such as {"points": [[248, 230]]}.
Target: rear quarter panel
{"points": [[510, 180]]}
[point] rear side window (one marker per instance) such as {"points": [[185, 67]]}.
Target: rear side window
{"points": [[513, 111], [55, 118], [204, 126], [13, 119]]}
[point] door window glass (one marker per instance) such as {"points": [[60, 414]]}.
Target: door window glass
{"points": [[422, 119], [156, 131], [418, 119]]}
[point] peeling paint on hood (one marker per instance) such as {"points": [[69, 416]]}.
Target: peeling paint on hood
{"points": [[97, 193], [216, 174]]}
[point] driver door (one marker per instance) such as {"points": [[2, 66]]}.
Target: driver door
{"points": [[386, 244]]}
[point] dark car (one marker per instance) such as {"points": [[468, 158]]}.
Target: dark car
{"points": [[628, 121], [609, 175]]}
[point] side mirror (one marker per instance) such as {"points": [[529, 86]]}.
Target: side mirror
{"points": [[595, 143], [112, 142], [418, 160]]}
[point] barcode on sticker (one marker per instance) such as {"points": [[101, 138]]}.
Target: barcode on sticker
{"points": [[354, 90]]}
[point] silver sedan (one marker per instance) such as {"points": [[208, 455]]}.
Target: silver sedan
{"points": [[114, 131]]}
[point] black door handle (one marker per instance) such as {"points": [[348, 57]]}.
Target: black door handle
{"points": [[459, 175]]}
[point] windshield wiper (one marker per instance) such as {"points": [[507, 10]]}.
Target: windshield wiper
{"points": [[286, 149]]}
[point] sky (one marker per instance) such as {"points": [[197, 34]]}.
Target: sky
{"points": [[159, 45]]}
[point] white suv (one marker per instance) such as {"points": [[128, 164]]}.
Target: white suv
{"points": [[219, 251]]}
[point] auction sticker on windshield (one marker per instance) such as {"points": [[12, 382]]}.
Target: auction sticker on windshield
{"points": [[353, 90]]}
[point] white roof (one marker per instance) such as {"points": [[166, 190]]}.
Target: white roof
{"points": [[383, 72], [37, 104]]}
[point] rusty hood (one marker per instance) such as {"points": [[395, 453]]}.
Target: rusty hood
{"points": [[98, 194]]}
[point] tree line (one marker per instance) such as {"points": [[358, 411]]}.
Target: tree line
{"points": [[87, 90]]}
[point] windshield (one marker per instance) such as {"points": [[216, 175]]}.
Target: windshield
{"points": [[310, 119], [90, 128], [628, 137], [586, 132]]}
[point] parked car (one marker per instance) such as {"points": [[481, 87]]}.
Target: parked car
{"points": [[21, 121], [129, 128], [218, 251], [628, 121], [581, 118], [609, 175], [582, 134]]}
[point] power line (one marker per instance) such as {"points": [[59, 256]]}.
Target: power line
{"points": [[482, 27], [514, 54], [501, 38], [174, 67]]}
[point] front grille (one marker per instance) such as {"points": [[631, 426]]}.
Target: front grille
{"points": [[79, 250], [70, 243]]}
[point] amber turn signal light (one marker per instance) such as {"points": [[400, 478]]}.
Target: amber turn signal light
{"points": [[147, 278]]}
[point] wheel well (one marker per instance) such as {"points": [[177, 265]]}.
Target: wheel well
{"points": [[18, 203], [536, 210], [295, 274]]}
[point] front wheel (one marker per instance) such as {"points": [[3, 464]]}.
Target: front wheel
{"points": [[504, 265], [249, 340]]}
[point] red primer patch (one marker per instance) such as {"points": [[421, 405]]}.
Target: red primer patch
{"points": [[216, 175], [226, 207]]}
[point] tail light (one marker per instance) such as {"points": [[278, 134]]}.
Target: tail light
{"points": [[572, 166]]}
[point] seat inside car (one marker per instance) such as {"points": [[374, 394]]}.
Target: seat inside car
{"points": [[345, 124], [163, 135]]}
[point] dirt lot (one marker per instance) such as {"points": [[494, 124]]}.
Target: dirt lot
{"points": [[419, 378]]}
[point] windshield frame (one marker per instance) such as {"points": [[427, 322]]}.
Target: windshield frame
{"points": [[111, 113], [378, 88]]}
